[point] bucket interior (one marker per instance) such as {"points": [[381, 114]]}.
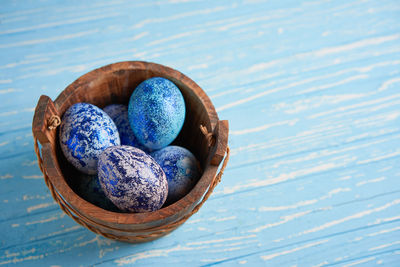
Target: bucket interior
{"points": [[116, 88]]}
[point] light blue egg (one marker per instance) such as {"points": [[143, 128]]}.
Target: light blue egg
{"points": [[89, 188], [156, 112], [181, 168], [85, 131], [119, 114], [131, 179]]}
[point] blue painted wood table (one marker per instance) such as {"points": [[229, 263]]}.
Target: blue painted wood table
{"points": [[312, 93]]}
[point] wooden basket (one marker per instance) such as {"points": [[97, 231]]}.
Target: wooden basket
{"points": [[202, 133]]}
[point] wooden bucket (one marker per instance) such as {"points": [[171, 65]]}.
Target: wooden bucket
{"points": [[202, 133]]}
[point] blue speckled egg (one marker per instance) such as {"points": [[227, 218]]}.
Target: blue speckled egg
{"points": [[131, 179], [85, 131], [156, 112], [89, 188], [181, 168], [119, 114]]}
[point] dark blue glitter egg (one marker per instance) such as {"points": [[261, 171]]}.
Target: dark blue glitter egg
{"points": [[131, 179], [85, 131], [89, 188], [119, 114], [181, 168], [156, 112]]}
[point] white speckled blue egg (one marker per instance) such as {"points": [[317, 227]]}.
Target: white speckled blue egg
{"points": [[131, 179], [89, 188], [85, 131], [119, 114], [181, 168], [156, 112]]}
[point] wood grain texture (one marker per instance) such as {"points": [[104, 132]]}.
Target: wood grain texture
{"points": [[311, 92]]}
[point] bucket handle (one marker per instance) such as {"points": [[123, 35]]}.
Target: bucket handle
{"points": [[45, 120]]}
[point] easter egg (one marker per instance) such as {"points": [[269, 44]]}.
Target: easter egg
{"points": [[85, 131], [181, 168], [156, 112], [131, 179], [89, 188], [119, 114]]}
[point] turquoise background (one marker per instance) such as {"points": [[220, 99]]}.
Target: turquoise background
{"points": [[311, 90]]}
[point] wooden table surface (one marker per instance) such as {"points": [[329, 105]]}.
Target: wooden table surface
{"points": [[312, 93]]}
